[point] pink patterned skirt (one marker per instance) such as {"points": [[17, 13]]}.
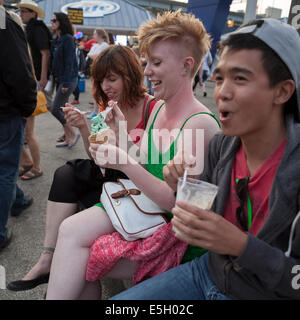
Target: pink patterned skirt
{"points": [[154, 255]]}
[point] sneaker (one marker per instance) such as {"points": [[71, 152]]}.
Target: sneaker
{"points": [[75, 102], [7, 241], [91, 116], [18, 211]]}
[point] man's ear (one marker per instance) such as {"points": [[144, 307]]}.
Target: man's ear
{"points": [[284, 91]]}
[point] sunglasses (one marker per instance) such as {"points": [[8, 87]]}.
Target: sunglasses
{"points": [[242, 195], [53, 20]]}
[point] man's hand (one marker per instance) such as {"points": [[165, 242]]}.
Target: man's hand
{"points": [[175, 169], [64, 90], [207, 230]]}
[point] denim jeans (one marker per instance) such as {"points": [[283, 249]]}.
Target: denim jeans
{"points": [[11, 142], [189, 281]]}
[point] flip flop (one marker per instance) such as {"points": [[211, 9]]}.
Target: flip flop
{"points": [[31, 174], [23, 169], [62, 144], [71, 145]]}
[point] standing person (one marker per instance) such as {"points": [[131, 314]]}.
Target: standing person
{"points": [[169, 43], [65, 71], [102, 39], [39, 39], [81, 69], [204, 73], [17, 101], [253, 230]]}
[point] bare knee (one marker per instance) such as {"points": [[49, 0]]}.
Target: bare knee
{"points": [[67, 230]]}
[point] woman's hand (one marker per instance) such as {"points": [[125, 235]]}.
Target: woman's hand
{"points": [[74, 117], [175, 169], [109, 156], [114, 118], [208, 230]]}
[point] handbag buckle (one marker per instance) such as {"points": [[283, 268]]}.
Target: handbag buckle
{"points": [[125, 193]]}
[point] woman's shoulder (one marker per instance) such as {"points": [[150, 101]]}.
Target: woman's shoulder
{"points": [[200, 116]]}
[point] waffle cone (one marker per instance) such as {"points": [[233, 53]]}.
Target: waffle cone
{"points": [[100, 137]]}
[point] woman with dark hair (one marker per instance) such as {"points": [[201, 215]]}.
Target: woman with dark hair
{"points": [[117, 76], [65, 71]]}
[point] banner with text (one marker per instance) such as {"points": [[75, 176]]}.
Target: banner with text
{"points": [[75, 15], [294, 15]]}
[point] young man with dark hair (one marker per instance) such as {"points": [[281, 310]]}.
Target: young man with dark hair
{"points": [[252, 233]]}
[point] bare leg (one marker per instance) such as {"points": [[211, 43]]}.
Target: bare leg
{"points": [[33, 143], [124, 269], [70, 134], [25, 158], [76, 235], [56, 213]]}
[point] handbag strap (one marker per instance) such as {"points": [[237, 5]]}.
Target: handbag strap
{"points": [[128, 193]]}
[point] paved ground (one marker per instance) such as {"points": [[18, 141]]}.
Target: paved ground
{"points": [[28, 228]]}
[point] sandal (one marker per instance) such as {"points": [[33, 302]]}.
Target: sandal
{"points": [[23, 169], [31, 174], [61, 139]]}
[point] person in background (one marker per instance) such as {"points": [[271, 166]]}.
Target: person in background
{"points": [[81, 67], [17, 101], [101, 36], [204, 73], [39, 39], [65, 71]]}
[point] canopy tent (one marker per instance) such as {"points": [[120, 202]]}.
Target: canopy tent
{"points": [[115, 16]]}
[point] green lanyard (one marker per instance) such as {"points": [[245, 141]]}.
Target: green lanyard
{"points": [[249, 207]]}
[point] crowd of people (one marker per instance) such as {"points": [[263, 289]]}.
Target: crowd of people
{"points": [[247, 244]]}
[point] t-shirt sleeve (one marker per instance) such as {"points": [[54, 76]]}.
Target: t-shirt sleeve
{"points": [[41, 39]]}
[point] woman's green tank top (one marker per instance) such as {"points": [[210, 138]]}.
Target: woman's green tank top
{"points": [[156, 169]]}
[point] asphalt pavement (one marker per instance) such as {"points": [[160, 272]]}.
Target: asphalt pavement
{"points": [[28, 229]]}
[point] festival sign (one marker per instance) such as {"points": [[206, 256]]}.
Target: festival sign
{"points": [[75, 15], [294, 16], [93, 9]]}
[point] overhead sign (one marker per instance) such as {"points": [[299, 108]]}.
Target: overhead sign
{"points": [[93, 9], [75, 15], [294, 16]]}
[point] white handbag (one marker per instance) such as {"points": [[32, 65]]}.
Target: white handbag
{"points": [[132, 214]]}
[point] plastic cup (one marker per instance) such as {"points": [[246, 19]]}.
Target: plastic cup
{"points": [[196, 192]]}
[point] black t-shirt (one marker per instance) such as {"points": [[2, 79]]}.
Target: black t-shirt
{"points": [[39, 38]]}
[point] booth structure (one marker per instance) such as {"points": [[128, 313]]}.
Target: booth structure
{"points": [[115, 16]]}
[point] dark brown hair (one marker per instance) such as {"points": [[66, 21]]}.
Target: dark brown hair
{"points": [[124, 62]]}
